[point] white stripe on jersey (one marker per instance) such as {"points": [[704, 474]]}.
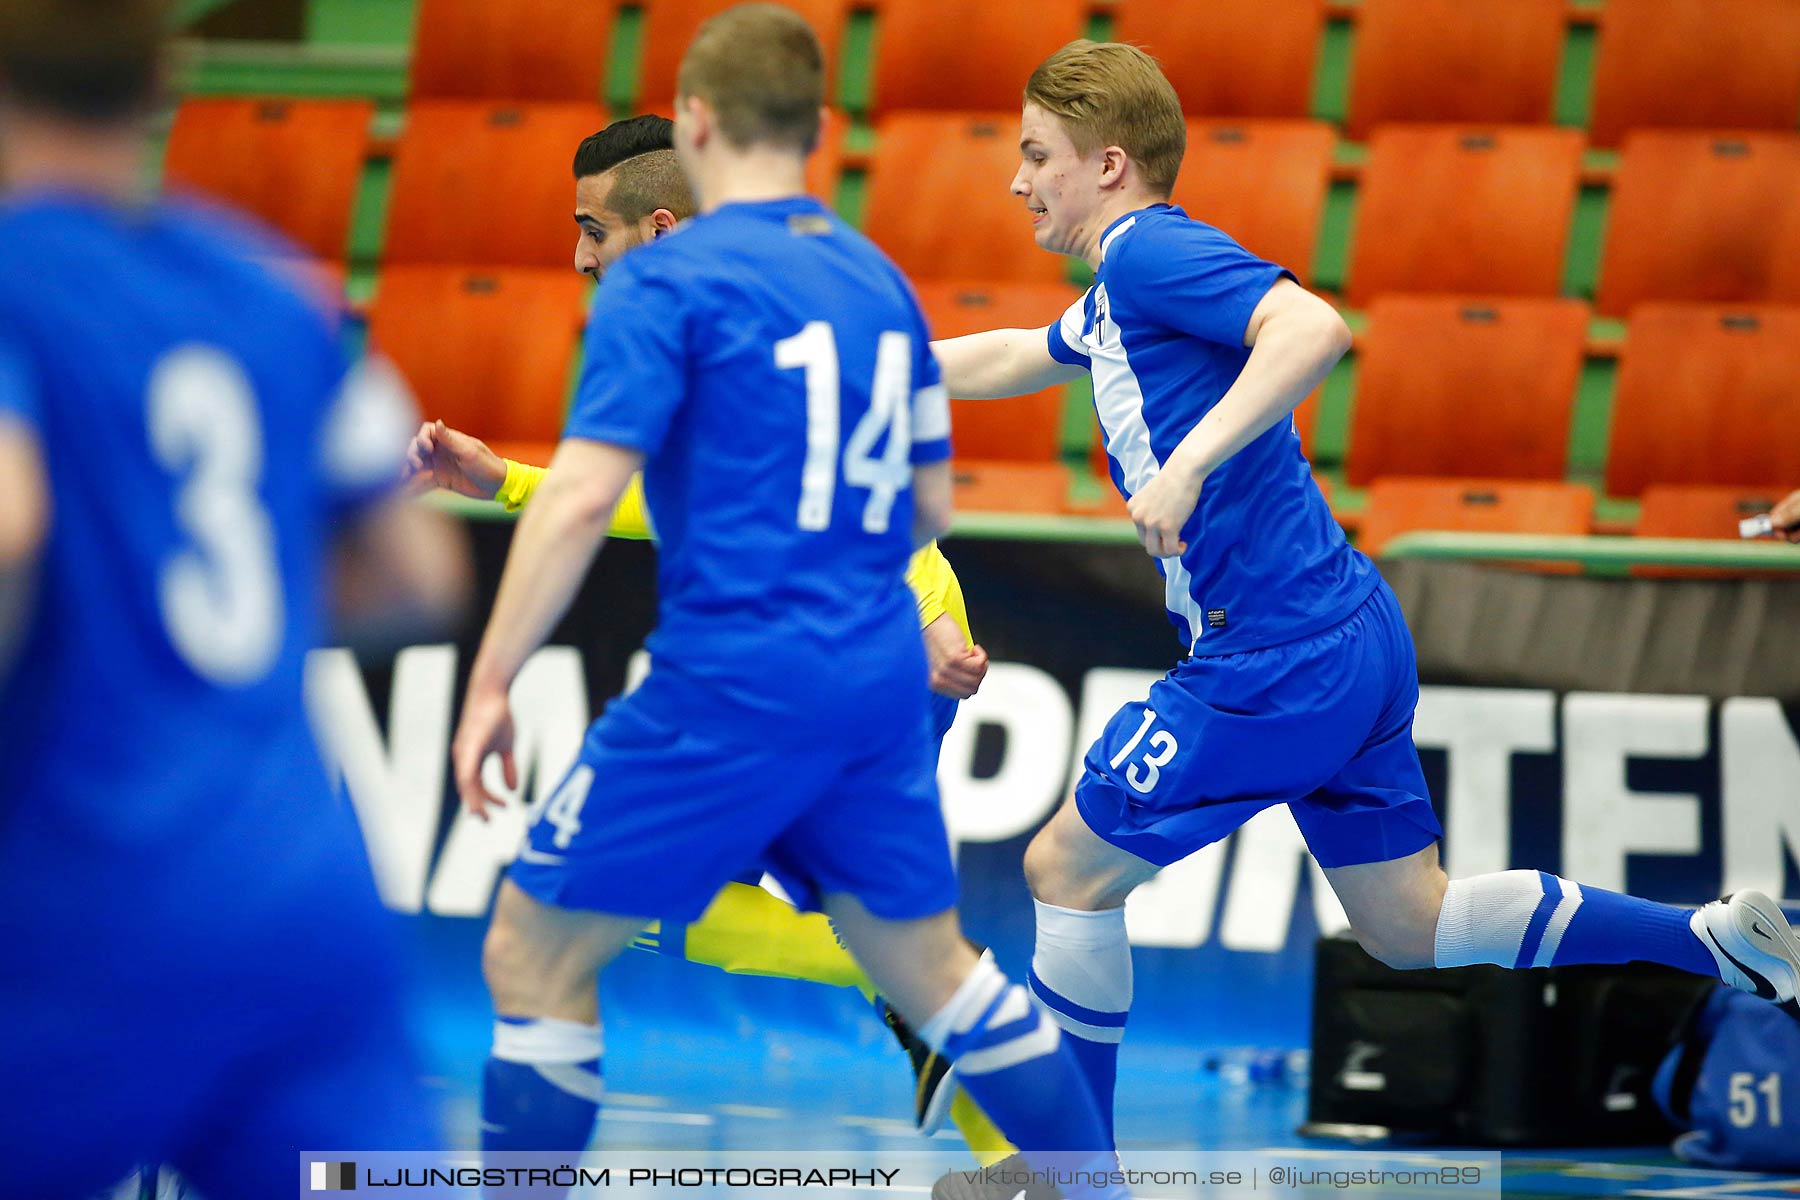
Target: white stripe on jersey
{"points": [[931, 414], [1115, 235], [1119, 401]]}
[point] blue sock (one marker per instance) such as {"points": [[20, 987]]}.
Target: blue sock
{"points": [[1081, 972], [1535, 919], [541, 1090], [1014, 1062]]}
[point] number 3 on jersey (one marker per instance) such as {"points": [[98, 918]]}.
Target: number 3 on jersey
{"points": [[221, 596], [1161, 750], [814, 350]]}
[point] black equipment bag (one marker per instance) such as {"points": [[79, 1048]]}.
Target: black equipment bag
{"points": [[1490, 1056]]}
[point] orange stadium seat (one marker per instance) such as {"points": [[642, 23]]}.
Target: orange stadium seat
{"points": [[1400, 505], [1784, 287], [487, 351], [294, 163], [1696, 64], [487, 185], [669, 25], [1700, 511], [1706, 395], [1025, 429], [939, 204], [1698, 216], [1263, 182], [966, 54], [1231, 58], [1450, 60], [1469, 210], [515, 50], [989, 486], [1460, 386], [1706, 513]]}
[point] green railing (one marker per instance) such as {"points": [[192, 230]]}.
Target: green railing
{"points": [[1597, 555], [1600, 555]]}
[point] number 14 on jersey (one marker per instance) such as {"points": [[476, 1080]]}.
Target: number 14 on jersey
{"points": [[814, 350]]}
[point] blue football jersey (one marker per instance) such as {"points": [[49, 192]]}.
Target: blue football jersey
{"points": [[774, 368], [200, 431], [1162, 332]]}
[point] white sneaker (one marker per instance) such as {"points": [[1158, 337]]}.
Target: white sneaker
{"points": [[1753, 944]]}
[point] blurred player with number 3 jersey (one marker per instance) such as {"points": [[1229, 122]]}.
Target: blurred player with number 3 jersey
{"points": [[1299, 683], [197, 969], [769, 371]]}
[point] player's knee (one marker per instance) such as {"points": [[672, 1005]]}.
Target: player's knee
{"points": [[503, 956], [1057, 875], [1402, 950], [1404, 935], [1047, 871]]}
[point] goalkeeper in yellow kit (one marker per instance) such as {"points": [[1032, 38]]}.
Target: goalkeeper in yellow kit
{"points": [[628, 191]]}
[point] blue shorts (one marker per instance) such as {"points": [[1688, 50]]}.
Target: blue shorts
{"points": [[943, 715], [655, 818], [1323, 725]]}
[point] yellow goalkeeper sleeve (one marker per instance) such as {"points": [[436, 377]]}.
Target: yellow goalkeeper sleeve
{"points": [[630, 520], [936, 590], [934, 585]]}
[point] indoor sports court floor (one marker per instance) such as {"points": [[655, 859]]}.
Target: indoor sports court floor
{"points": [[762, 1064]]}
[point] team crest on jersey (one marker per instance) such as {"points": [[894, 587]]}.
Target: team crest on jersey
{"points": [[1099, 330]]}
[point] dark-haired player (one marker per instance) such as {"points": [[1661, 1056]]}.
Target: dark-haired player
{"points": [[629, 191]]}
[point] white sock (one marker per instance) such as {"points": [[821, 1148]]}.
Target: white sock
{"points": [[565, 1053], [1082, 961]]}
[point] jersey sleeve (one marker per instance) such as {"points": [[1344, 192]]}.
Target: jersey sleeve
{"points": [[366, 432], [936, 589], [930, 410], [633, 379], [522, 479], [631, 519], [1064, 337], [19, 399], [631, 516], [1194, 279]]}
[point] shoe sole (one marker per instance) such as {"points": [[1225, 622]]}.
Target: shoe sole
{"points": [[1765, 943], [938, 1111]]}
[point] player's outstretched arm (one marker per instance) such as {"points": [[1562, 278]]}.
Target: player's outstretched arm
{"points": [[1786, 518], [442, 457], [24, 520], [1294, 339], [999, 363], [552, 549], [957, 664], [933, 493]]}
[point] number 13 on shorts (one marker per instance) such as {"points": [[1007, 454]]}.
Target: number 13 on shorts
{"points": [[1158, 752]]}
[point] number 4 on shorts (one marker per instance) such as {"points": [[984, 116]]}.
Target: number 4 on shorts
{"points": [[563, 810]]}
